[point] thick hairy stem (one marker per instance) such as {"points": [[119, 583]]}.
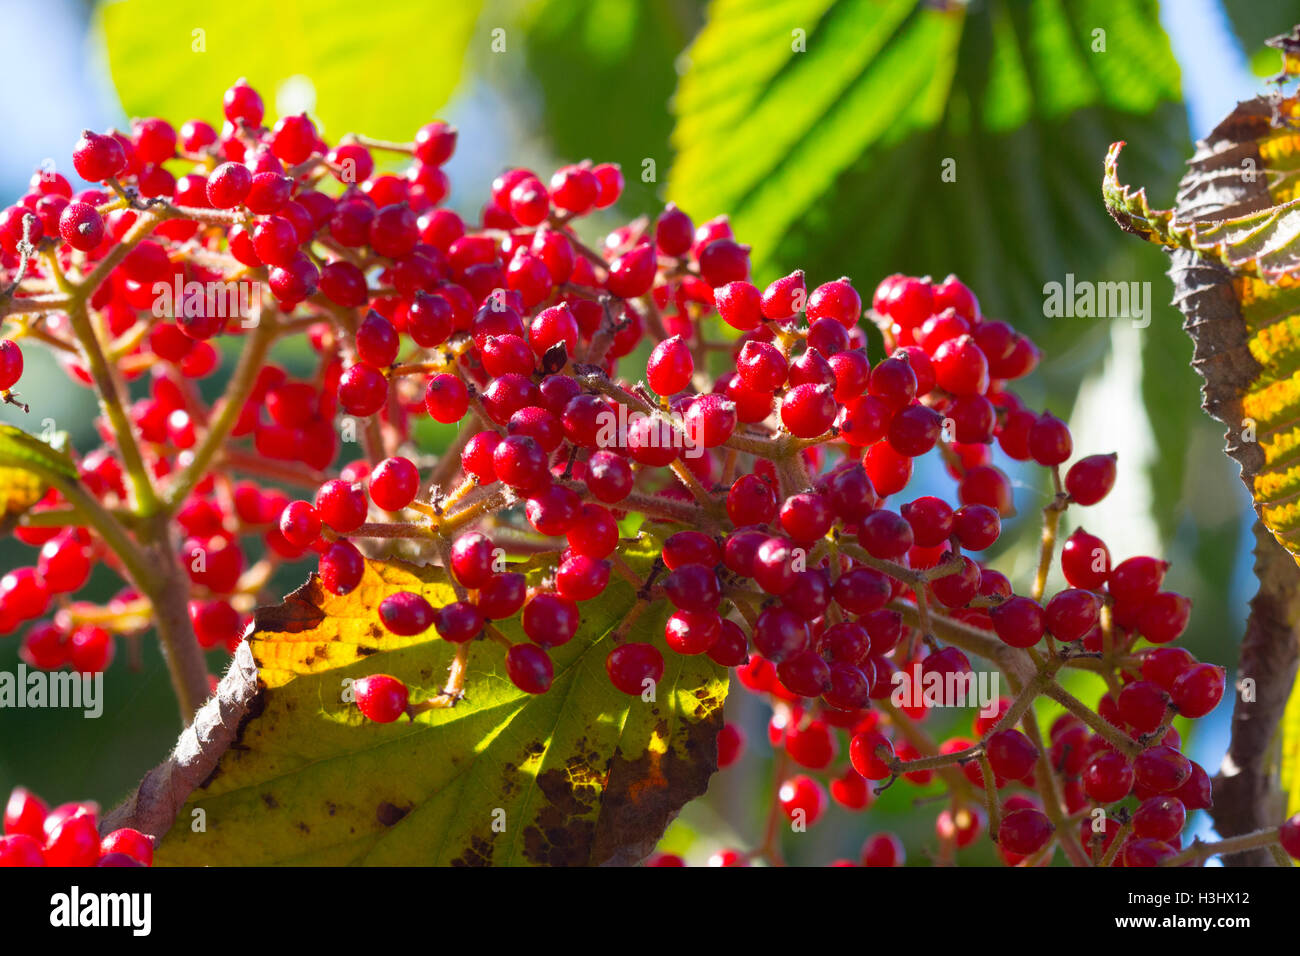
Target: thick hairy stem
{"points": [[169, 594], [1247, 795], [1257, 841]]}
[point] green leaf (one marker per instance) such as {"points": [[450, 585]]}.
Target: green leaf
{"points": [[582, 774], [606, 71], [165, 61], [19, 450], [833, 158], [27, 466]]}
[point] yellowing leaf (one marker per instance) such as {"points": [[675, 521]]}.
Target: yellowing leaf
{"points": [[1238, 209], [582, 774]]}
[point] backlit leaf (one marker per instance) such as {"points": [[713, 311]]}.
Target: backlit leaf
{"points": [[582, 774]]}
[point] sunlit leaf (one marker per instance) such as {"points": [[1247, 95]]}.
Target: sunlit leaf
{"points": [[582, 774], [339, 60]]}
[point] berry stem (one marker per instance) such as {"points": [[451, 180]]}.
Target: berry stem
{"points": [[110, 401], [1203, 850], [1112, 852], [237, 392], [991, 804], [1104, 728], [1051, 523], [918, 738]]}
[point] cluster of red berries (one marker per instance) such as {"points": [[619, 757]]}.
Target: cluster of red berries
{"points": [[68, 835], [766, 463]]}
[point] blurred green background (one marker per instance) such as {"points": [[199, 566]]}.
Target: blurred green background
{"points": [[824, 128]]}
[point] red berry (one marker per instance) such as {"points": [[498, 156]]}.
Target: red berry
{"points": [[1136, 580], [363, 390], [1198, 690], [670, 366], [802, 799], [883, 849], [1164, 617], [81, 226], [869, 753], [740, 305], [692, 632], [1108, 777], [381, 698], [960, 367], [1085, 560], [341, 567], [731, 743], [1090, 479], [97, 158], [405, 614], [11, 364], [529, 668], [1011, 754], [1161, 769], [1289, 836], [129, 842], [1071, 613], [73, 842], [1049, 440], [19, 849], [1160, 817], [631, 666], [25, 814]]}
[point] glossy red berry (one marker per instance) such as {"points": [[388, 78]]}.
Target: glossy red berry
{"points": [[1108, 777], [341, 505], [960, 366], [1160, 817], [883, 849], [1090, 479], [1049, 440], [381, 697], [634, 667], [25, 814], [1071, 613], [1198, 690], [405, 613], [97, 158], [363, 389], [529, 668], [802, 799], [80, 226], [341, 567], [73, 842], [670, 366], [870, 754], [11, 364], [1289, 836], [1085, 560], [129, 842]]}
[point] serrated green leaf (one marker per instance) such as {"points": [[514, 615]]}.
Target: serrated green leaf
{"points": [[832, 158], [167, 62], [582, 774]]}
